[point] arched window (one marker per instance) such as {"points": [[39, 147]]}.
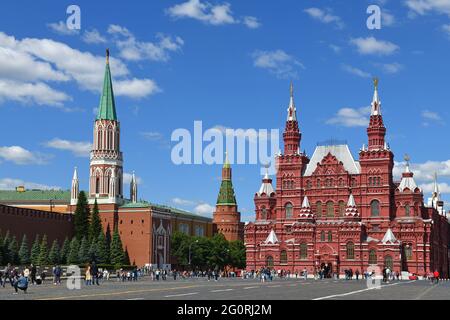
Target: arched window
{"points": [[97, 185], [341, 182], [375, 208], [350, 251], [388, 263], [304, 251], [322, 236], [330, 236], [263, 213], [318, 183], [288, 209], [330, 209], [269, 262], [319, 209], [407, 210], [370, 181], [353, 182], [308, 184], [408, 252], [283, 257], [341, 208], [372, 256]]}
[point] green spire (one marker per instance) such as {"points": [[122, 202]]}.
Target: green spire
{"points": [[226, 193], [107, 108]]}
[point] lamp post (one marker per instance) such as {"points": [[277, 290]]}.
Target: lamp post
{"points": [[190, 246]]}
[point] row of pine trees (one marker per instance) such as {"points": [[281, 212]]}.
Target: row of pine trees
{"points": [[89, 244]]}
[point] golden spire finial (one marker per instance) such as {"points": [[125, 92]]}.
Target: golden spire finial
{"points": [[375, 83], [107, 56]]}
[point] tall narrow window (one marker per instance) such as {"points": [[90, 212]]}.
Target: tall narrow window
{"points": [[283, 257], [288, 209], [269, 262], [388, 263], [263, 213], [303, 251], [350, 251], [407, 210], [341, 208], [372, 256], [319, 209], [97, 185], [322, 236], [330, 209], [375, 208], [330, 236], [408, 252]]}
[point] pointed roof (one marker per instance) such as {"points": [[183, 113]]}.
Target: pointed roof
{"points": [[389, 237], [292, 111], [226, 192], [376, 103], [272, 238], [305, 203], [351, 201], [436, 192], [75, 174], [408, 181], [266, 186], [107, 107], [226, 163], [351, 211]]}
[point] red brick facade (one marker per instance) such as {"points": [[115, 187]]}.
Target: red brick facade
{"points": [[334, 212]]}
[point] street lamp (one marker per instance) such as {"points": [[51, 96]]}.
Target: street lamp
{"points": [[190, 246]]}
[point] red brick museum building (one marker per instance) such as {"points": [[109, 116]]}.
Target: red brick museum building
{"points": [[333, 212]]}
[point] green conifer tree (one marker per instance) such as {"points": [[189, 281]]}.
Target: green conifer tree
{"points": [[35, 250], [24, 251], [102, 249], [117, 253], [83, 253], [5, 248], [13, 250], [43, 252], [95, 226], [81, 217], [54, 254], [64, 251], [72, 257]]}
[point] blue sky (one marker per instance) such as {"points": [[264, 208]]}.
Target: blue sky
{"points": [[228, 64]]}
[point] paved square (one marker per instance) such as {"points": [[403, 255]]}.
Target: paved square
{"points": [[236, 289]]}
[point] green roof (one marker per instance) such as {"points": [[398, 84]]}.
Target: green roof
{"points": [[226, 194], [35, 195], [144, 204], [107, 108]]}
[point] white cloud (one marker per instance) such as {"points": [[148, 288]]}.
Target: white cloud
{"points": [[428, 188], [387, 18], [11, 184], [325, 16], [136, 88], [349, 117], [79, 149], [335, 48], [371, 45], [29, 93], [38, 60], [446, 29], [355, 71], [204, 209], [183, 202], [424, 172], [203, 11], [277, 62], [93, 36], [430, 117], [61, 28], [219, 14], [423, 7], [251, 22], [134, 50], [391, 68], [21, 156]]}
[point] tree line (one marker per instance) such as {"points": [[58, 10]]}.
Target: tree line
{"points": [[214, 253], [88, 244]]}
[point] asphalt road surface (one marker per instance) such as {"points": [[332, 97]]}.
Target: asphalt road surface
{"points": [[236, 289]]}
